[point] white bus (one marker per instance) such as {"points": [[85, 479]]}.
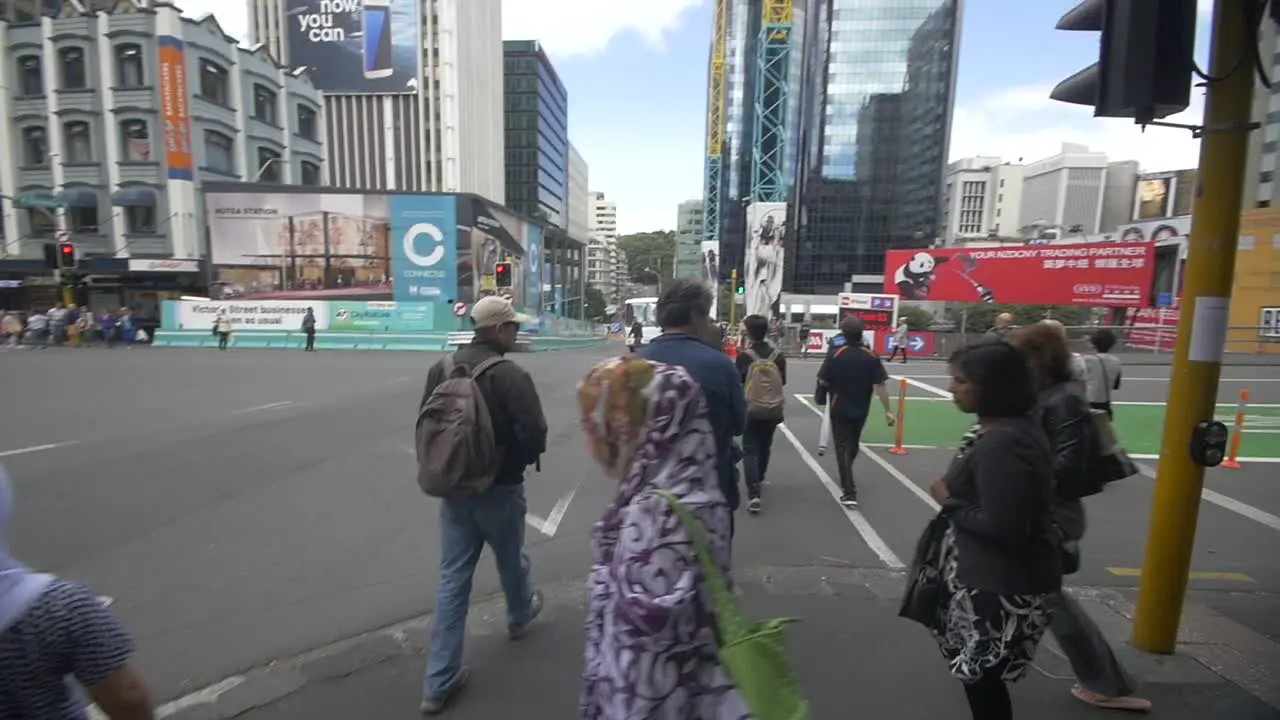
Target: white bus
{"points": [[645, 310]]}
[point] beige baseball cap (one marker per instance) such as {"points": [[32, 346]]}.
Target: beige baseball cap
{"points": [[493, 311]]}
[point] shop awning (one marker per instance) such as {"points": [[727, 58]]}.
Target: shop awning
{"points": [[80, 197], [134, 197]]}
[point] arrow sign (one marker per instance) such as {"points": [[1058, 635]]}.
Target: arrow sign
{"points": [[916, 342]]}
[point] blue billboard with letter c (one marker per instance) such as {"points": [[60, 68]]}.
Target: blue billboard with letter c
{"points": [[424, 247]]}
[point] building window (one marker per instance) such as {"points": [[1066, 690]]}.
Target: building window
{"points": [[129, 70], [268, 166], [219, 151], [135, 141], [310, 173], [264, 105], [42, 226], [214, 85], [35, 147], [79, 143], [307, 123], [30, 76], [139, 220], [74, 75], [83, 219]]}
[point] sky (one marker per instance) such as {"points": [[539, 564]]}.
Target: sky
{"points": [[636, 77]]}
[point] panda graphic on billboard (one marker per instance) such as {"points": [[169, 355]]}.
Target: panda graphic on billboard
{"points": [[912, 278]]}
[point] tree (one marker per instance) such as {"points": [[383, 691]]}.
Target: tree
{"points": [[981, 317], [595, 302], [917, 317], [650, 256]]}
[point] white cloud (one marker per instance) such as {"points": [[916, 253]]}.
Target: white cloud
{"points": [[1022, 122], [581, 27]]}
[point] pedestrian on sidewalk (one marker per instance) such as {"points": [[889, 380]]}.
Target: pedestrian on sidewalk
{"points": [[52, 628], [900, 339], [1000, 568], [1102, 371], [848, 378], [495, 517], [684, 314], [651, 641], [222, 328], [309, 329], [763, 369], [1066, 418]]}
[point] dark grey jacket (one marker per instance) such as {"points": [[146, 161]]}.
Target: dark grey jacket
{"points": [[519, 427], [1067, 422], [1000, 506]]}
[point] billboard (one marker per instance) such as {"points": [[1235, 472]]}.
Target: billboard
{"points": [[356, 46], [1096, 275], [488, 234], [1155, 197], [878, 313], [710, 254], [424, 247], [766, 231], [174, 113], [1158, 231], [270, 243]]}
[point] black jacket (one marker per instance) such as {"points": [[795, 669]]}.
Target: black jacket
{"points": [[764, 350], [1068, 423], [519, 427], [1000, 504]]}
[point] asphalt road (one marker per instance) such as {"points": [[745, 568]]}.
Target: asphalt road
{"points": [[248, 506]]}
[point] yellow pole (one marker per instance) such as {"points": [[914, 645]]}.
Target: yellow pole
{"points": [[733, 297], [1197, 356]]}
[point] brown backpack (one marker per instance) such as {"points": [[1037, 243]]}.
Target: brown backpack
{"points": [[457, 452]]}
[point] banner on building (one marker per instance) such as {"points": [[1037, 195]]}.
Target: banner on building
{"points": [[175, 115], [356, 46], [489, 233], [710, 261], [381, 317], [766, 231], [1096, 275], [1157, 231], [424, 247]]}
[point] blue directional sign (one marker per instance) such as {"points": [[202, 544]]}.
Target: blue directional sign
{"points": [[1164, 300]]}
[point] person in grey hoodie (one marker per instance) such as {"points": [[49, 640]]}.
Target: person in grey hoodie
{"points": [[309, 329]]}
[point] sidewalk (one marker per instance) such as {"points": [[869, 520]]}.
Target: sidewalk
{"points": [[854, 656]]}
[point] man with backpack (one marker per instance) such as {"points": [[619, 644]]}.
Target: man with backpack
{"points": [[480, 424], [763, 369]]}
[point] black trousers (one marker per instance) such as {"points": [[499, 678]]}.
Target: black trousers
{"points": [[989, 696], [757, 446], [898, 349], [311, 340], [846, 434], [1105, 407]]}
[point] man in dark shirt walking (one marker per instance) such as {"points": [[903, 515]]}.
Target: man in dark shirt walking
{"points": [[757, 439], [684, 313], [846, 380]]}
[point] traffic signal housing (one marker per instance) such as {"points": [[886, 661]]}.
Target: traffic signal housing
{"points": [[66, 256], [741, 289], [1145, 58], [502, 274]]}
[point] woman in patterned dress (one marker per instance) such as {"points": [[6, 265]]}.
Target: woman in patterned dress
{"points": [[1000, 565], [52, 630], [651, 647]]}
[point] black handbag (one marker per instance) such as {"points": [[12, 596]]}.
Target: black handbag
{"points": [[922, 600]]}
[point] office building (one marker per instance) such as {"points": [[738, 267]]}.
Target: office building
{"points": [[689, 227], [87, 101], [1065, 194], [981, 199], [537, 133], [579, 197], [429, 118], [1260, 187], [878, 93], [606, 265]]}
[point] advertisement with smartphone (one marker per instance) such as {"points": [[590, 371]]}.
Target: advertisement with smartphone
{"points": [[356, 46]]}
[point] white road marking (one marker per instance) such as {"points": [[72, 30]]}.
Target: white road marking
{"points": [[106, 600], [38, 448], [1125, 379], [557, 513], [894, 473], [1244, 510], [946, 394], [859, 521], [268, 406]]}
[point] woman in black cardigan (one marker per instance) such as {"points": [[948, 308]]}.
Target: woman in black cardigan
{"points": [[1000, 567]]}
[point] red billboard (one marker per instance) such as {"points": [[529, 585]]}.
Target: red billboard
{"points": [[1094, 274]]}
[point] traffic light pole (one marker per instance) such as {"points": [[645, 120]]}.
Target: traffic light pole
{"points": [[733, 306], [1202, 330]]}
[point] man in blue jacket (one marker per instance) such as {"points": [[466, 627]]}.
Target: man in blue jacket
{"points": [[684, 313]]}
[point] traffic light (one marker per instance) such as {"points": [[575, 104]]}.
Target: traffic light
{"points": [[1145, 58], [66, 256], [741, 289], [502, 274]]}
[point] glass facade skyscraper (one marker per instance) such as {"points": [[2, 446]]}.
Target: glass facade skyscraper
{"points": [[537, 133], [878, 89], [871, 101]]}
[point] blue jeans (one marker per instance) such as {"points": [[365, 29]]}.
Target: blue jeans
{"points": [[496, 519]]}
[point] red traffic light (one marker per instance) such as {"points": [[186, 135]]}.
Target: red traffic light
{"points": [[502, 274], [66, 250], [66, 255]]}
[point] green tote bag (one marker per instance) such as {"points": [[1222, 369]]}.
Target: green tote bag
{"points": [[754, 653]]}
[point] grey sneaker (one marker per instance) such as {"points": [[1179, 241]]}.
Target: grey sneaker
{"points": [[436, 705], [753, 505], [515, 632]]}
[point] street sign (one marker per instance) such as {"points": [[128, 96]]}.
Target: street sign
{"points": [[459, 309], [1164, 300], [920, 343]]}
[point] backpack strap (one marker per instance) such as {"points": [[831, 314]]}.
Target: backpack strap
{"points": [[484, 367], [751, 354], [773, 356]]}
